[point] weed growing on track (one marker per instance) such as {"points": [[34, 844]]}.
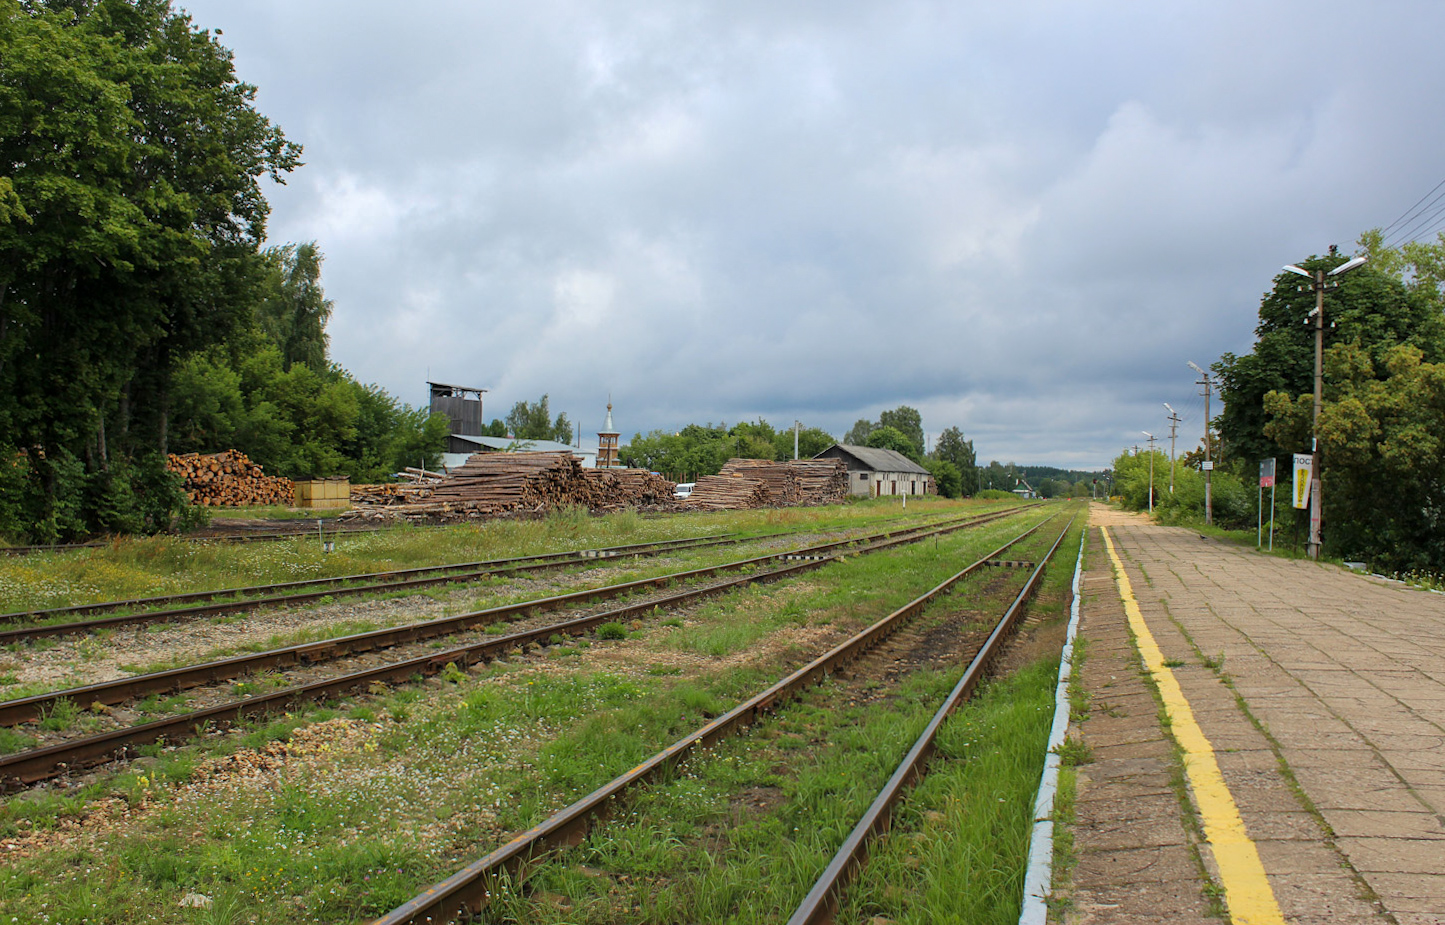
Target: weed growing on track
{"points": [[148, 566], [412, 782]]}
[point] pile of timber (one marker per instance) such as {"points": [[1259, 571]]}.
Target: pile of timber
{"points": [[727, 493], [514, 484], [818, 481], [619, 488], [490, 483], [228, 479], [384, 493], [779, 482]]}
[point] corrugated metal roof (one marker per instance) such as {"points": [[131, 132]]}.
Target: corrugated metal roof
{"points": [[533, 446], [879, 460]]}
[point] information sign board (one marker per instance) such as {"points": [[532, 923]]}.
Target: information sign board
{"points": [[1303, 464]]}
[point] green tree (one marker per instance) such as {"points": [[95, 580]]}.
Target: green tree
{"points": [[811, 442], [533, 421], [1369, 304], [945, 475], [130, 213], [294, 309], [906, 421], [952, 448], [857, 435], [890, 438], [1381, 439]]}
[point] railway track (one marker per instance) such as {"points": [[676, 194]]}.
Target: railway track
{"points": [[28, 767], [471, 889], [821, 903], [201, 538], [258, 596]]}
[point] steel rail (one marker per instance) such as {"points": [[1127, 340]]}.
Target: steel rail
{"points": [[382, 581], [40, 764], [481, 569], [821, 903], [120, 690], [471, 888], [195, 538]]}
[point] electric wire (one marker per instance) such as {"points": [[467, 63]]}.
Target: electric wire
{"points": [[1409, 213], [1410, 232]]}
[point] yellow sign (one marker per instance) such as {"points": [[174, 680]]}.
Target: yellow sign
{"points": [[1303, 464]]}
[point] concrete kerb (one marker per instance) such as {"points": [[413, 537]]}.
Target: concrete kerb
{"points": [[1039, 875]]}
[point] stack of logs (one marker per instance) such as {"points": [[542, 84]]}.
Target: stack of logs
{"points": [[818, 481], [777, 478], [629, 488], [727, 493], [797, 481], [228, 479], [491, 484]]}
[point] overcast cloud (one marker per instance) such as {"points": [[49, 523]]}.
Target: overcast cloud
{"points": [[1022, 219]]}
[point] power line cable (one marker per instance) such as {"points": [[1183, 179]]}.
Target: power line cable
{"points": [[1407, 213], [1409, 232]]}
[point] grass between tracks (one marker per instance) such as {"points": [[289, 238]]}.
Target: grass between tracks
{"points": [[150, 566], [75, 660], [346, 811]]}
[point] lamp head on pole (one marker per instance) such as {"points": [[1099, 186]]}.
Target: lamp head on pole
{"points": [[1195, 366], [1291, 268], [1347, 266]]}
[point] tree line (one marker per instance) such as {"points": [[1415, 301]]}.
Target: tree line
{"points": [[1382, 422], [699, 449], [139, 313]]}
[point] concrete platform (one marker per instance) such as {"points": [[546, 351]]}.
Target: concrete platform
{"points": [[1321, 693]]}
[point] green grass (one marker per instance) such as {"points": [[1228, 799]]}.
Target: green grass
{"points": [[148, 566], [441, 772]]}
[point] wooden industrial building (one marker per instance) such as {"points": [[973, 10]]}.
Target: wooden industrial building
{"points": [[462, 404], [874, 472]]}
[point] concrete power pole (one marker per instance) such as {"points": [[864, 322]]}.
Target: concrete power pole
{"points": [[1173, 420], [1208, 453], [1319, 283], [1152, 438]]}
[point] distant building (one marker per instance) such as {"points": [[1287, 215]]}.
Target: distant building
{"points": [[874, 472], [462, 404], [462, 446], [607, 443]]}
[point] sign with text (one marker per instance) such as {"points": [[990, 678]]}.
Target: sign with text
{"points": [[1266, 473], [1303, 464], [1207, 466]]}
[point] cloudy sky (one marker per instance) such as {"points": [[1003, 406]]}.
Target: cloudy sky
{"points": [[1020, 218]]}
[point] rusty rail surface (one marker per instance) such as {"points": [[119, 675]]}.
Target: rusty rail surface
{"points": [[198, 538], [470, 889], [821, 903], [34, 765], [178, 679], [255, 592], [50, 630]]}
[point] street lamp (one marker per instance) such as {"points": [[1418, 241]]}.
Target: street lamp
{"points": [[1151, 469], [1208, 457], [1173, 429], [1319, 285]]}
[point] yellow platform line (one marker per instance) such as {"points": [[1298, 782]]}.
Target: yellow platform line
{"points": [[1246, 888]]}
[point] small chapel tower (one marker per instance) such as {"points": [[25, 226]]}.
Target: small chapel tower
{"points": [[607, 443]]}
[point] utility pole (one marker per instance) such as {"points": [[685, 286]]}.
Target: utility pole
{"points": [[1173, 427], [1151, 469], [1319, 284], [1208, 453], [796, 425]]}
